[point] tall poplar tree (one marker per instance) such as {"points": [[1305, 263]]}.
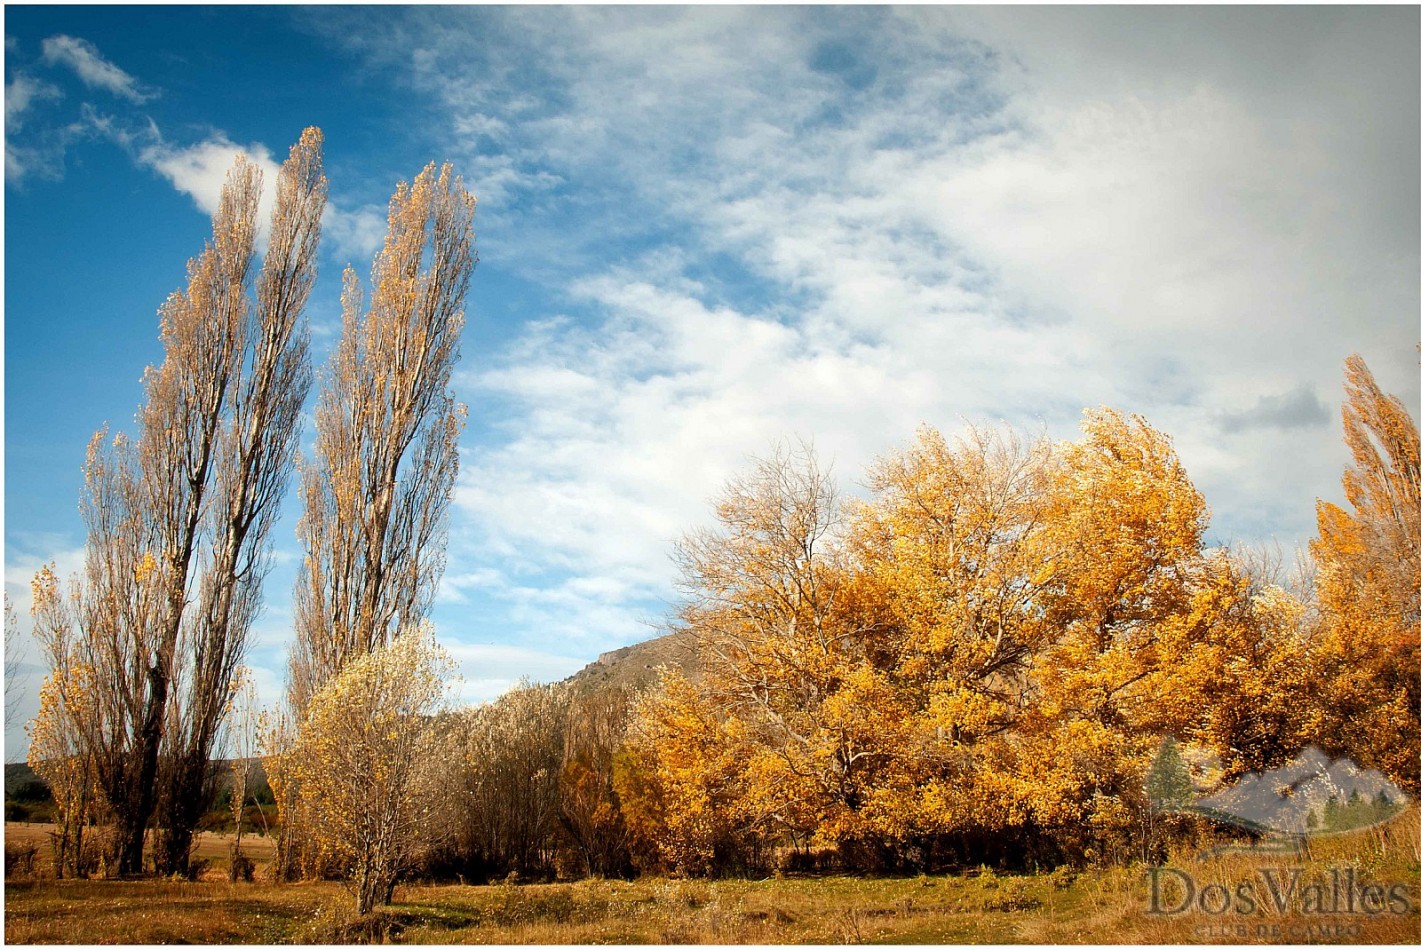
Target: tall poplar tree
{"points": [[178, 519], [377, 491]]}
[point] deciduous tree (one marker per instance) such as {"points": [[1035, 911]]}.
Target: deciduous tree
{"points": [[512, 761], [178, 520], [365, 764], [1368, 658], [376, 493]]}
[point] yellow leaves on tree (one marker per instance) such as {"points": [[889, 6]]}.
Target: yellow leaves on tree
{"points": [[1369, 587], [364, 762], [60, 755], [992, 644], [377, 489]]}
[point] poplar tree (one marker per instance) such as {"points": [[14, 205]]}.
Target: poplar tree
{"points": [[377, 491], [377, 488], [178, 519], [1367, 662]]}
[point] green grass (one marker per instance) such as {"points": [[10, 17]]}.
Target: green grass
{"points": [[1098, 906]]}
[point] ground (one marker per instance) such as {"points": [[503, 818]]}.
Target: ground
{"points": [[1096, 906]]}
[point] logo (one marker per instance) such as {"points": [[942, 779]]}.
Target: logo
{"points": [[1311, 795], [1281, 810]]}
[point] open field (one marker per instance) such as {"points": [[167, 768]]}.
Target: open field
{"points": [[208, 846], [1102, 906]]}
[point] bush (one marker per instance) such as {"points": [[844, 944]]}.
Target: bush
{"points": [[20, 859], [239, 866]]}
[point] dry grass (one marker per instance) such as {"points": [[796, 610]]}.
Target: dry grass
{"points": [[211, 847], [1108, 906]]}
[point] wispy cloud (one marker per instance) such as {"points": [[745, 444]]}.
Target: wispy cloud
{"points": [[780, 225], [93, 69], [39, 156], [22, 92]]}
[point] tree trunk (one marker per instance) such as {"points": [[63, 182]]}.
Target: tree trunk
{"points": [[180, 814]]}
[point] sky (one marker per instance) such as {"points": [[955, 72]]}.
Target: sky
{"points": [[704, 231]]}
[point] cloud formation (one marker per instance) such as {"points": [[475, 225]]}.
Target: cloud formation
{"points": [[841, 229], [92, 68]]}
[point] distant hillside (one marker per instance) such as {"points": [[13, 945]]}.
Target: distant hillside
{"points": [[17, 774], [634, 667]]}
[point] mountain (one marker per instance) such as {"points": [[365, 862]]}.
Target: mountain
{"points": [[1282, 799], [635, 667]]}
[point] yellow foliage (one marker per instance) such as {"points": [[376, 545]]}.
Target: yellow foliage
{"points": [[994, 642], [363, 763]]}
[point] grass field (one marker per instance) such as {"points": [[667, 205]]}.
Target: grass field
{"points": [[1101, 906]]}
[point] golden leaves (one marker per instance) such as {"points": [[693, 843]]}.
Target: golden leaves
{"points": [[995, 639]]}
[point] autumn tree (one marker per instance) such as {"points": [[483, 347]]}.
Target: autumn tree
{"points": [[978, 665], [789, 655], [512, 762], [590, 808], [365, 765], [178, 519], [1368, 658], [376, 493], [59, 755], [253, 459], [1239, 667], [948, 544], [683, 781]]}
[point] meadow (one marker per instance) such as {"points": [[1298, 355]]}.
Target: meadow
{"points": [[1109, 905]]}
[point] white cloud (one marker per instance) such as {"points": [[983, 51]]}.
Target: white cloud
{"points": [[354, 235], [199, 170], [21, 92], [92, 68], [1083, 210]]}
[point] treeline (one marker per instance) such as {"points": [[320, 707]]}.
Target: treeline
{"points": [[975, 664]]}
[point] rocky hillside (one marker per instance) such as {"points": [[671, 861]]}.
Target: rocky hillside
{"points": [[634, 667]]}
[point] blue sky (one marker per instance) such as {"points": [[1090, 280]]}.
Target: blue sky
{"points": [[704, 230]]}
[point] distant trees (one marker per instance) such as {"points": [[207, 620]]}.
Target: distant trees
{"points": [[178, 519]]}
